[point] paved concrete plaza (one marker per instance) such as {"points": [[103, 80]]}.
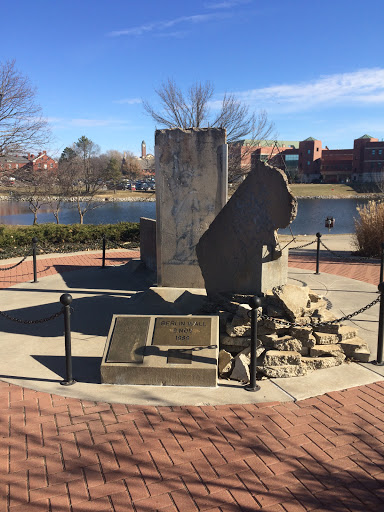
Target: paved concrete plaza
{"points": [[310, 443]]}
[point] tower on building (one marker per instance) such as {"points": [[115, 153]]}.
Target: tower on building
{"points": [[143, 149]]}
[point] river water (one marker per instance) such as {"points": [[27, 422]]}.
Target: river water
{"points": [[310, 218]]}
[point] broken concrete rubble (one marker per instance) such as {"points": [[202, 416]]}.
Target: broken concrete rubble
{"points": [[290, 343]]}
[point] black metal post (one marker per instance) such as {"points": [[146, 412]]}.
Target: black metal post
{"points": [[103, 264], [254, 302], [66, 300], [318, 253], [34, 242], [380, 339], [382, 264]]}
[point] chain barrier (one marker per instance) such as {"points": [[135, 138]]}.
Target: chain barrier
{"points": [[305, 245], [329, 322], [30, 322], [349, 258], [3, 269]]}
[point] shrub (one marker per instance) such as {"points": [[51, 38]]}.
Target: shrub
{"points": [[17, 240], [369, 229]]}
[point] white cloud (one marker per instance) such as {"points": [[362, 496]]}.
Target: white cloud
{"points": [[129, 101], [161, 26], [226, 4], [365, 86]]}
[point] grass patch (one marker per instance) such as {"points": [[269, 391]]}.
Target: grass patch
{"points": [[337, 190]]}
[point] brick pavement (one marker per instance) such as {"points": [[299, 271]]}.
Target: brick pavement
{"points": [[64, 454]]}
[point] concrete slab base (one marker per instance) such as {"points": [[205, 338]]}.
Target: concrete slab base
{"points": [[161, 350]]}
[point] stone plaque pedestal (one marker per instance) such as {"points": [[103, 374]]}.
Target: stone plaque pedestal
{"points": [[161, 350]]}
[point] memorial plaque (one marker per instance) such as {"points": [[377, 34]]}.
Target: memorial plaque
{"points": [[179, 356], [183, 331], [128, 337]]}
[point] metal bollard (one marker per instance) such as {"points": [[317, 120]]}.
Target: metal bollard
{"points": [[382, 263], [103, 264], [34, 242], [318, 253], [66, 300], [380, 339], [254, 302]]}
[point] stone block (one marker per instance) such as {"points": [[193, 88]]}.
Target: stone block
{"points": [[283, 371], [148, 243], [281, 358], [225, 363], [244, 311], [240, 370], [286, 343], [318, 363], [361, 354], [275, 311], [323, 338], [314, 297], [356, 348], [345, 332], [191, 189], [229, 341], [238, 330], [293, 299], [323, 350], [238, 253], [301, 333]]}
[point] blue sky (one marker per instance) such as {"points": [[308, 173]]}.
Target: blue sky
{"points": [[316, 67]]}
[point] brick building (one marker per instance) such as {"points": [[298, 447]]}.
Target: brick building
{"points": [[308, 161], [10, 164]]}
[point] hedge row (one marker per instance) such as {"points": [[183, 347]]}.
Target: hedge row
{"points": [[16, 240]]}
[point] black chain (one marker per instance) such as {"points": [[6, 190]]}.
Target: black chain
{"points": [[329, 322], [2, 269], [302, 246], [29, 322], [344, 257]]}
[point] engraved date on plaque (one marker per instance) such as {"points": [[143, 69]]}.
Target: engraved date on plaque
{"points": [[182, 331]]}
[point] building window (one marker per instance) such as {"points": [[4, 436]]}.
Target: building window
{"points": [[380, 151], [373, 151], [9, 166], [39, 165], [317, 149], [309, 151], [45, 166], [308, 163], [51, 166], [17, 166]]}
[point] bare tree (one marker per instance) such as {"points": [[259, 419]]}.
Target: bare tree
{"points": [[82, 175], [194, 110], [38, 186], [22, 125], [131, 166]]}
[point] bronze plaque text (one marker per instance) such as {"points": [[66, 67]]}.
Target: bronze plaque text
{"points": [[183, 331]]}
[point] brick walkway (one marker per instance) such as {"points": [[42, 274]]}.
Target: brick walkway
{"points": [[64, 454]]}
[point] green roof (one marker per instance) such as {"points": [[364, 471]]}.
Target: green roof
{"points": [[365, 137], [309, 139]]}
